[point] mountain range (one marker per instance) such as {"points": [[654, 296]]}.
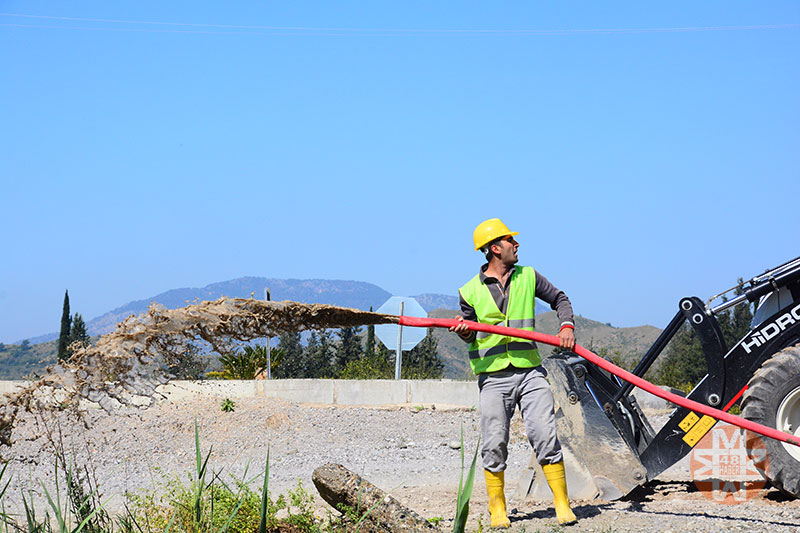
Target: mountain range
{"points": [[355, 294], [624, 344]]}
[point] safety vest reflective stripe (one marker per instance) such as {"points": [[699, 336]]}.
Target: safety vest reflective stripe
{"points": [[519, 324], [494, 350]]}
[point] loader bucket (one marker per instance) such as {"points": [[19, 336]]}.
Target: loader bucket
{"points": [[598, 462]]}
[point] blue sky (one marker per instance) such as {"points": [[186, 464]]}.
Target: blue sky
{"points": [[644, 153]]}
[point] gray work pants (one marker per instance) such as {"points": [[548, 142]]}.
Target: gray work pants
{"points": [[500, 393]]}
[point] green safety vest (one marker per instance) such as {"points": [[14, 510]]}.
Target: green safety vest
{"points": [[490, 352]]}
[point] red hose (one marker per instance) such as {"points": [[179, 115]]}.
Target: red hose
{"points": [[605, 365]]}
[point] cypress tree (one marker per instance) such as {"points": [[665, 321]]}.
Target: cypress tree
{"points": [[423, 362], [294, 363], [736, 322], [685, 362], [319, 351], [370, 347], [349, 348], [77, 332], [64, 335]]}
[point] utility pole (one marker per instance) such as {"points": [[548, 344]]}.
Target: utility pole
{"points": [[269, 354]]}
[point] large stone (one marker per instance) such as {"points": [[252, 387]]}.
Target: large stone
{"points": [[340, 487]]}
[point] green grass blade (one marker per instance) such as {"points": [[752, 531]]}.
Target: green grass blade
{"points": [[2, 473], [461, 449], [6, 518], [30, 514], [465, 489], [171, 521], [460, 521], [225, 526], [62, 525], [86, 520], [199, 457], [132, 519], [262, 526], [202, 466], [240, 499], [246, 469], [368, 511]]}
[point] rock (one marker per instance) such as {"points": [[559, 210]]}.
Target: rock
{"points": [[339, 486]]}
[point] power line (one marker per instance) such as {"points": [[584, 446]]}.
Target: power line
{"points": [[146, 30], [329, 31]]}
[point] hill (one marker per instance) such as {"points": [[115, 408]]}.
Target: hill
{"points": [[355, 294], [626, 345], [22, 360]]}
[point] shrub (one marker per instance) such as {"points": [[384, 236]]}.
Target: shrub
{"points": [[247, 363]]}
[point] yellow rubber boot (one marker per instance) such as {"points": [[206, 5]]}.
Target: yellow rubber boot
{"points": [[497, 498], [557, 480]]}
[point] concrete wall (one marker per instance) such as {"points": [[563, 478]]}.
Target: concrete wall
{"points": [[427, 392], [443, 392], [7, 386]]}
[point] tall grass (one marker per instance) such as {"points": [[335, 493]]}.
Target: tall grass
{"points": [[61, 510], [206, 504]]}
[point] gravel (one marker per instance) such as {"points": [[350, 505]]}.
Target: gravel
{"points": [[413, 453]]}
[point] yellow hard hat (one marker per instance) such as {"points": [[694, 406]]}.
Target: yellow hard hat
{"points": [[489, 230]]}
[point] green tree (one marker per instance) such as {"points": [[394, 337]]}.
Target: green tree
{"points": [[294, 363], [685, 362], [248, 362], [77, 334], [349, 347], [735, 322], [375, 366], [319, 353], [422, 362], [63, 336], [379, 365], [616, 357], [369, 348], [188, 363]]}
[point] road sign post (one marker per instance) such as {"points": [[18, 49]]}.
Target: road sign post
{"points": [[398, 359], [393, 336], [267, 297]]}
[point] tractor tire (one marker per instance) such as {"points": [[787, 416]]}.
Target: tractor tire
{"points": [[773, 399]]}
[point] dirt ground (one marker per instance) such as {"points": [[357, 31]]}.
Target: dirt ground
{"points": [[410, 452], [662, 506]]}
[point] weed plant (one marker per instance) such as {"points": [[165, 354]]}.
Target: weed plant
{"points": [[203, 503], [227, 405]]}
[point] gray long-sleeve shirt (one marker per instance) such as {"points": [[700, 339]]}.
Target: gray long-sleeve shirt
{"points": [[545, 291]]}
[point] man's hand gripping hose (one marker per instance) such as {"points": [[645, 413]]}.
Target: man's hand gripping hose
{"points": [[606, 365]]}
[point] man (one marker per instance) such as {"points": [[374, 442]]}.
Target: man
{"points": [[509, 369]]}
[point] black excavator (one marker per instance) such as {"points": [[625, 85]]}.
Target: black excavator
{"points": [[611, 448]]}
